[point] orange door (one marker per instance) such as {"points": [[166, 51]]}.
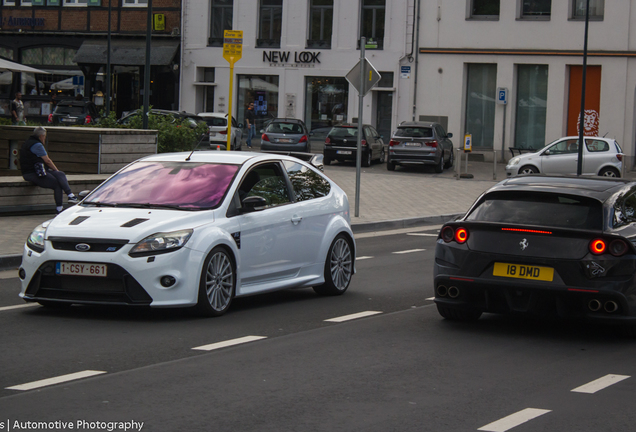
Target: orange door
{"points": [[592, 100]]}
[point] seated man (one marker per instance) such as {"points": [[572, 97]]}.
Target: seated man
{"points": [[38, 168]]}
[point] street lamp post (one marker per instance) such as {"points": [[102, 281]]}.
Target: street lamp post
{"points": [[108, 60], [579, 167], [147, 67]]}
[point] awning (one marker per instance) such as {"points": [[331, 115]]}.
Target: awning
{"points": [[127, 52], [6, 65]]}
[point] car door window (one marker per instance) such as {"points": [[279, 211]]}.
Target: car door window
{"points": [[306, 183], [594, 146], [565, 147], [266, 181]]}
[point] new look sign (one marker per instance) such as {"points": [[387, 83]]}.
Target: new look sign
{"points": [[289, 59]]}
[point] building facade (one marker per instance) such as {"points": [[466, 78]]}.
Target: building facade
{"points": [[68, 39], [295, 58], [533, 48]]}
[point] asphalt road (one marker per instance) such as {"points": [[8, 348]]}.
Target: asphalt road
{"points": [[398, 368]]}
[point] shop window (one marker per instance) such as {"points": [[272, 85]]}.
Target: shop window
{"points": [[480, 104], [270, 23], [6, 53], [532, 95], [386, 79], [135, 3], [50, 56], [262, 90], [597, 9], [320, 24], [326, 102], [75, 2], [536, 9], [221, 12], [373, 15], [484, 9]]}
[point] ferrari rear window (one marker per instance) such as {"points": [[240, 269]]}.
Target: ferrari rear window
{"points": [[540, 209]]}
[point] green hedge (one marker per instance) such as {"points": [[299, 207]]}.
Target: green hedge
{"points": [[173, 135]]}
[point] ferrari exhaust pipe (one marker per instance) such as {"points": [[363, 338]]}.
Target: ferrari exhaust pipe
{"points": [[594, 305], [610, 306], [453, 292], [442, 291]]}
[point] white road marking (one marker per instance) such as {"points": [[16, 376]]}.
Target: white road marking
{"points": [[422, 234], [56, 380], [6, 308], [514, 420], [600, 384], [228, 343], [353, 316], [364, 258], [431, 298], [409, 251]]}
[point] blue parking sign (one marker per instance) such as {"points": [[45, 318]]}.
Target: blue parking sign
{"points": [[502, 95]]}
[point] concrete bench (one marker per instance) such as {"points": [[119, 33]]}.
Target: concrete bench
{"points": [[18, 196]]}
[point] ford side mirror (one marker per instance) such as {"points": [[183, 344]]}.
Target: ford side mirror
{"points": [[253, 203]]}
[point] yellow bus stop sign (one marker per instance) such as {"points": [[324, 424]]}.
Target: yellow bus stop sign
{"points": [[232, 45], [232, 52]]}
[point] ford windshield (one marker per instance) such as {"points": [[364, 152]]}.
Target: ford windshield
{"points": [[161, 184]]}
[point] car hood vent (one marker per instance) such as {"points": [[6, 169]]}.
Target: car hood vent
{"points": [[133, 222], [78, 220]]}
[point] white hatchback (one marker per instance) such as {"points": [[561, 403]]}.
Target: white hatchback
{"points": [[200, 229], [217, 125], [601, 156]]}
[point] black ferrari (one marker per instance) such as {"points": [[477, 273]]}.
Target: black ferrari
{"points": [[561, 246]]}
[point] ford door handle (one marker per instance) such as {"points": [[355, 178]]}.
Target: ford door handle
{"points": [[296, 219]]}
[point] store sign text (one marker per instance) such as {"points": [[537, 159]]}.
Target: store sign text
{"points": [[22, 22], [300, 59]]}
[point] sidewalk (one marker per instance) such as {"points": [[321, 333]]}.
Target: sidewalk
{"points": [[388, 200]]}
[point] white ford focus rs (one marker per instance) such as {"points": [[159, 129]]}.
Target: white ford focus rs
{"points": [[183, 230]]}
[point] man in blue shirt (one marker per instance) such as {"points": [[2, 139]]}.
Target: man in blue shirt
{"points": [[38, 168]]}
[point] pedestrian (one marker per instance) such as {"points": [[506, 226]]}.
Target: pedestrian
{"points": [[17, 110], [38, 168], [251, 125]]}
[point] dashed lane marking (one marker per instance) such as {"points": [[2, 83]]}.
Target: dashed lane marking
{"points": [[431, 298], [409, 251], [353, 316], [228, 343], [56, 380], [422, 234], [600, 384], [6, 308], [364, 258], [514, 420]]}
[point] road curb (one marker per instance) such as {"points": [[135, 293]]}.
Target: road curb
{"points": [[358, 228], [12, 262]]}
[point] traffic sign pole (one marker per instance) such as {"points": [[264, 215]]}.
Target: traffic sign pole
{"points": [[232, 52], [363, 41]]}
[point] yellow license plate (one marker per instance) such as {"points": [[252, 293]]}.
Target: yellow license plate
{"points": [[520, 271]]}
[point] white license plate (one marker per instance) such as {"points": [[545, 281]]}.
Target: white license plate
{"points": [[69, 120], [213, 134], [80, 269], [413, 144], [285, 140], [343, 152]]}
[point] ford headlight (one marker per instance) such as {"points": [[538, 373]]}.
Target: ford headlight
{"points": [[514, 161], [161, 243], [36, 238]]}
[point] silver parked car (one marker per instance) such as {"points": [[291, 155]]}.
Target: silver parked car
{"points": [[420, 143], [601, 156], [283, 134]]}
